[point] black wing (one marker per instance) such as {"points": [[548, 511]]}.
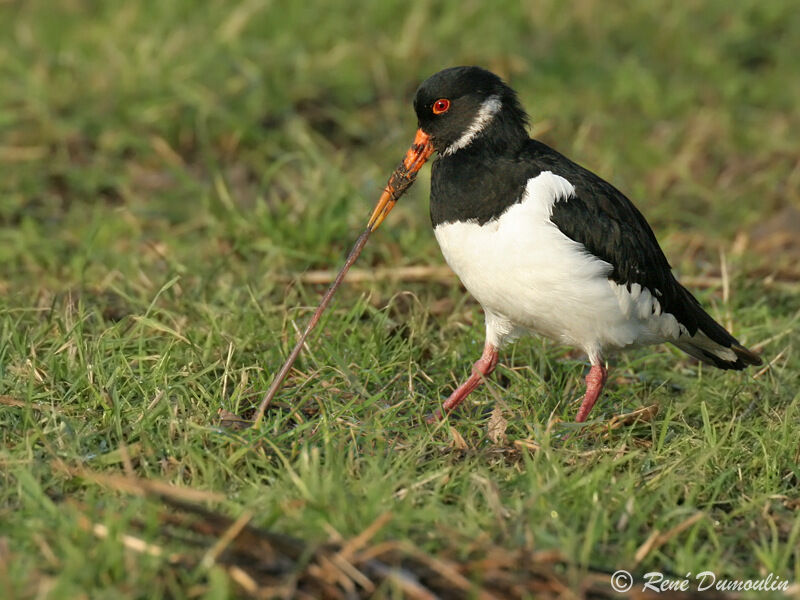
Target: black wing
{"points": [[611, 228]]}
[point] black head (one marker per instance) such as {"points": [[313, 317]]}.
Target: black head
{"points": [[464, 109], [462, 104]]}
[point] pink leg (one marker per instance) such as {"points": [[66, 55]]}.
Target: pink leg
{"points": [[482, 368], [595, 381]]}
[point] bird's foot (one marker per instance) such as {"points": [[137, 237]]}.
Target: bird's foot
{"points": [[595, 381], [482, 368]]}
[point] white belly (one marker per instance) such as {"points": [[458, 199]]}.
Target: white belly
{"points": [[522, 269]]}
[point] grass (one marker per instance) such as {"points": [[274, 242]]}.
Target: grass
{"points": [[168, 172]]}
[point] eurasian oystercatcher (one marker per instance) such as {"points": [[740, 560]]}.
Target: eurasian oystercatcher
{"points": [[544, 245]]}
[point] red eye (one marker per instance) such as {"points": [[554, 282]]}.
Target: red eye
{"points": [[441, 105]]}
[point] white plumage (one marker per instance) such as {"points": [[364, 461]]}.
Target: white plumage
{"points": [[529, 276]]}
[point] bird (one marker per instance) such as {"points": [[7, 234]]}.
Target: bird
{"points": [[545, 246]]}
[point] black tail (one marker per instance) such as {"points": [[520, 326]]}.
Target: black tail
{"points": [[710, 342]]}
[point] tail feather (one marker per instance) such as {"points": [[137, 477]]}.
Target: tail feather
{"points": [[747, 356], [710, 342], [735, 357]]}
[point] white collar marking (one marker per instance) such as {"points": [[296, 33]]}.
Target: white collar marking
{"points": [[488, 110]]}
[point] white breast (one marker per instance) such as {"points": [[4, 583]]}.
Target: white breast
{"points": [[527, 274]]}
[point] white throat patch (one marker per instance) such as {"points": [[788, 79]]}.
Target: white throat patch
{"points": [[488, 110]]}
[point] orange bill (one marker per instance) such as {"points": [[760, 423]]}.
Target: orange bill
{"points": [[402, 178]]}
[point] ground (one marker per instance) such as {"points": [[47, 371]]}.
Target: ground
{"points": [[176, 181]]}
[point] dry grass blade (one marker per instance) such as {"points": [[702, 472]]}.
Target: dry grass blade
{"points": [[325, 570], [131, 542], [640, 415], [352, 572], [6, 400], [447, 570], [15, 402], [679, 528], [141, 487], [403, 579], [658, 539], [528, 444], [646, 546], [243, 579], [770, 364], [365, 536], [225, 540], [424, 273]]}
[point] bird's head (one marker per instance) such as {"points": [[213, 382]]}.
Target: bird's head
{"points": [[456, 108]]}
